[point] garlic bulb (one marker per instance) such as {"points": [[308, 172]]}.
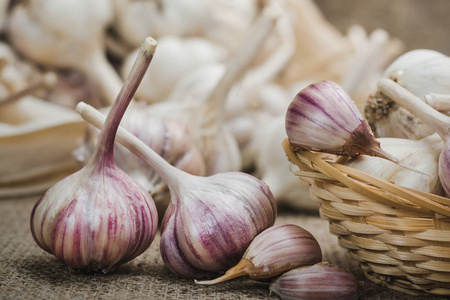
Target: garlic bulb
{"points": [[438, 121], [99, 217], [176, 57], [423, 73], [321, 281], [43, 31], [323, 117], [422, 155], [211, 220], [274, 251]]}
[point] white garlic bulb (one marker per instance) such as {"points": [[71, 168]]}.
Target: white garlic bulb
{"points": [[176, 57], [66, 34], [422, 155], [221, 21], [423, 73]]}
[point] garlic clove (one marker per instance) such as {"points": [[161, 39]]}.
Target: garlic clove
{"points": [[323, 117], [320, 281], [274, 251]]}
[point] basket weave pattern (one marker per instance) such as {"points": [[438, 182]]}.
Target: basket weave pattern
{"points": [[399, 236]]}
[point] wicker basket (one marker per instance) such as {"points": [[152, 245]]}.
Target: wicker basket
{"points": [[399, 236]]}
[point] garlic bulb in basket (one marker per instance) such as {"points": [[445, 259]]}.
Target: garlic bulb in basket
{"points": [[423, 73], [422, 155], [99, 217], [210, 220]]}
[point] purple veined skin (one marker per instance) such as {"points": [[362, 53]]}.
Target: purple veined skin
{"points": [[99, 217], [320, 281], [206, 232], [322, 117], [108, 220], [274, 251], [211, 220]]}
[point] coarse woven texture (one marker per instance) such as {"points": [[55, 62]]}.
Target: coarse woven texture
{"points": [[28, 272]]}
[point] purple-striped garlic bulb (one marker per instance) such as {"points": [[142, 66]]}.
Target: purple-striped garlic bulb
{"points": [[320, 281], [211, 220], [274, 251], [323, 117], [99, 217]]}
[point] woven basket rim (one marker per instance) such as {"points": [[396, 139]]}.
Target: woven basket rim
{"points": [[383, 191]]}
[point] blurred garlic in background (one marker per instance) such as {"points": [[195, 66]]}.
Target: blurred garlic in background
{"points": [[177, 56], [43, 31], [424, 73]]}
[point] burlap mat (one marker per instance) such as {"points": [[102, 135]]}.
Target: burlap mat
{"points": [[27, 272]]}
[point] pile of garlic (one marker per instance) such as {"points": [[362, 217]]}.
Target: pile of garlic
{"points": [[218, 101], [197, 42]]}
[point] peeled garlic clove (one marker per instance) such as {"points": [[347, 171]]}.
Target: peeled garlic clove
{"points": [[323, 117], [274, 251], [321, 281]]}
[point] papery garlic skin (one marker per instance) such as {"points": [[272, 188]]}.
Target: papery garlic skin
{"points": [[281, 248], [323, 117], [422, 72], [320, 281], [93, 220], [421, 155], [444, 167], [208, 230]]}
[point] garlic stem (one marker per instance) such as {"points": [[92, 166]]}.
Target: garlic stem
{"points": [[105, 143], [436, 120], [237, 271], [165, 170], [239, 63], [46, 81], [98, 69]]}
